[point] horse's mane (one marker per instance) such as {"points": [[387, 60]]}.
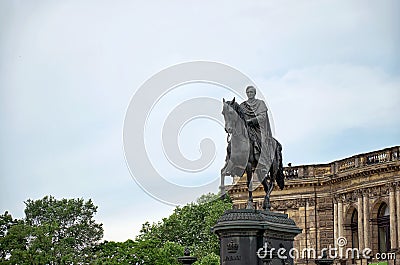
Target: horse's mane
{"points": [[236, 107]]}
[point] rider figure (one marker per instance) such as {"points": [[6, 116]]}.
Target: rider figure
{"points": [[267, 151], [259, 130], [257, 120]]}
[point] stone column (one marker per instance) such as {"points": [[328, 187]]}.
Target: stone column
{"points": [[335, 220], [398, 213], [340, 217], [360, 221], [222, 187], [393, 226], [366, 219]]}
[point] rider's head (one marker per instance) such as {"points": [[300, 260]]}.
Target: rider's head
{"points": [[251, 92]]}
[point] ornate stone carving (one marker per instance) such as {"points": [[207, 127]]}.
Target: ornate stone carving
{"points": [[274, 205], [301, 202], [311, 202], [374, 192], [322, 170], [285, 204], [365, 192], [357, 194], [232, 247], [385, 189], [342, 198], [335, 198], [350, 197]]}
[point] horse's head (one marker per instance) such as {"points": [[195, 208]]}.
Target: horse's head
{"points": [[230, 115]]}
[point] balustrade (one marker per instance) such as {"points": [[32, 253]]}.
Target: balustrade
{"points": [[310, 171]]}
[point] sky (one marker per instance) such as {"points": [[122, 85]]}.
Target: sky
{"points": [[328, 70]]}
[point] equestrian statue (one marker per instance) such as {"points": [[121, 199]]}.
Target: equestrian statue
{"points": [[251, 147]]}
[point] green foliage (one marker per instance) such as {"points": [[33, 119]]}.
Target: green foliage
{"points": [[210, 259], [6, 221], [138, 252], [190, 226], [109, 253], [53, 232], [64, 232], [169, 253]]}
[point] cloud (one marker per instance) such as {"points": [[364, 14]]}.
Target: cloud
{"points": [[328, 99], [317, 106]]}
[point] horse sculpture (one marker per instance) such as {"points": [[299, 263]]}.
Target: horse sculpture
{"points": [[241, 157]]}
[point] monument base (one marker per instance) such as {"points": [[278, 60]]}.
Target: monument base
{"points": [[247, 237]]}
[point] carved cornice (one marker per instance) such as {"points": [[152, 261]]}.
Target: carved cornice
{"points": [[365, 192], [358, 193], [292, 204]]}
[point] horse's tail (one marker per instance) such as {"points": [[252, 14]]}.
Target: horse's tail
{"points": [[280, 177]]}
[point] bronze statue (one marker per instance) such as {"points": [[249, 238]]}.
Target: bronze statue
{"points": [[251, 147]]}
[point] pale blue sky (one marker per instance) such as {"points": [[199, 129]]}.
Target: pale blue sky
{"points": [[328, 69]]}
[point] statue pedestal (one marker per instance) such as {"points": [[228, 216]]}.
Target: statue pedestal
{"points": [[244, 234]]}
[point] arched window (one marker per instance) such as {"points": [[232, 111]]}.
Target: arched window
{"points": [[383, 228], [354, 229]]}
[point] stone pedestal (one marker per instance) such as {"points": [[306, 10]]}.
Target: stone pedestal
{"points": [[246, 234], [187, 259], [279, 235]]}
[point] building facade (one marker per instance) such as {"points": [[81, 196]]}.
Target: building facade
{"points": [[352, 204]]}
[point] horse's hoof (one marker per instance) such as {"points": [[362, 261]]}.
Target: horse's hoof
{"points": [[266, 203]]}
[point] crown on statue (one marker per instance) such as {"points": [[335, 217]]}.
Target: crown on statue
{"points": [[232, 247]]}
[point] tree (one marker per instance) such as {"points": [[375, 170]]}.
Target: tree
{"points": [[6, 222], [110, 253], [53, 232], [190, 226], [210, 259], [163, 242], [138, 252]]}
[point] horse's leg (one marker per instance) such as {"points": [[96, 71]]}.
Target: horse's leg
{"points": [[227, 170], [263, 178], [249, 174], [273, 173], [224, 173]]}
